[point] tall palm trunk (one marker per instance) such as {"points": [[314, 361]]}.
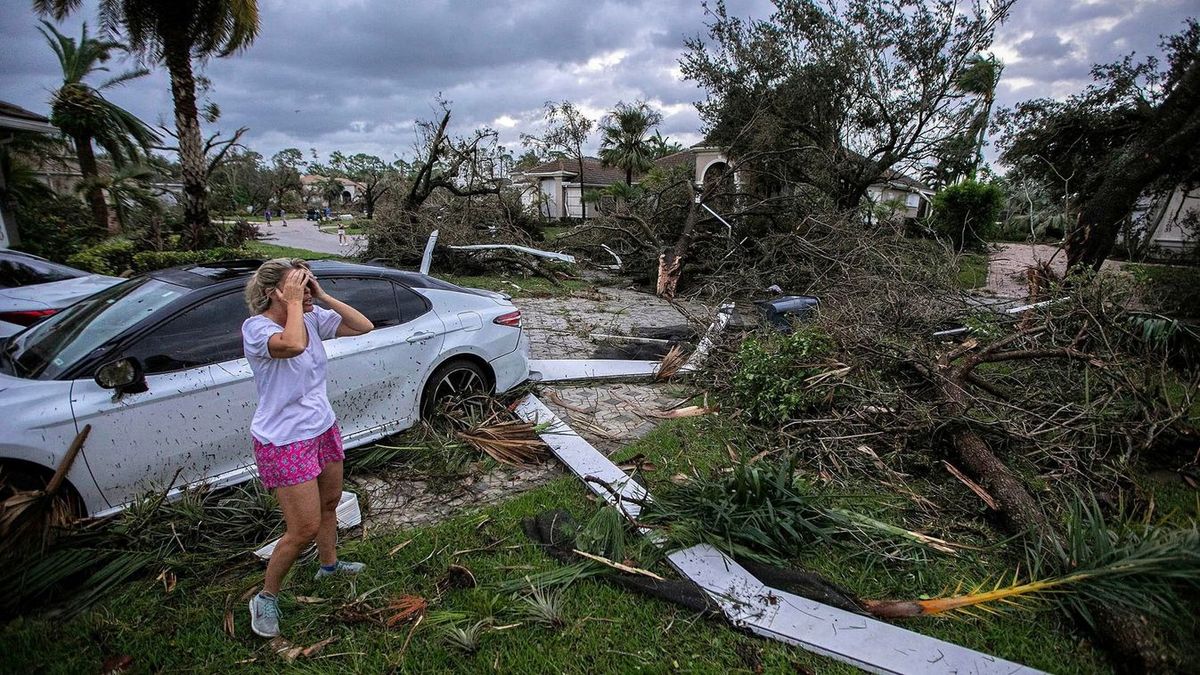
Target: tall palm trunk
{"points": [[94, 195], [191, 148]]}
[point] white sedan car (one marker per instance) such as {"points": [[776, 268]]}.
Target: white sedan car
{"points": [[33, 288], [155, 366]]}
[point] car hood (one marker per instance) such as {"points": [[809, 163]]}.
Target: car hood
{"points": [[56, 294]]}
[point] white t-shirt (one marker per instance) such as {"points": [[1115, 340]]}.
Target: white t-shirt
{"points": [[293, 404]]}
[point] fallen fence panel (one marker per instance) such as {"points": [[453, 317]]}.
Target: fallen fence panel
{"points": [[560, 370], [862, 641]]}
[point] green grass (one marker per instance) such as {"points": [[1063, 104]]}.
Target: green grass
{"points": [[273, 251], [182, 630], [332, 229], [529, 287], [972, 270]]}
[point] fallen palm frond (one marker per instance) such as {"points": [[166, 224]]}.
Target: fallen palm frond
{"points": [[405, 608], [1142, 567], [852, 519], [563, 575], [671, 362], [603, 534], [28, 517], [506, 441], [556, 399]]}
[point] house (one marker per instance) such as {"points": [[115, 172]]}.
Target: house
{"points": [[15, 120], [1175, 222], [310, 184], [554, 190]]}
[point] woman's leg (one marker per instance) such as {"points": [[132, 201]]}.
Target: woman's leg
{"points": [[329, 482], [301, 506]]}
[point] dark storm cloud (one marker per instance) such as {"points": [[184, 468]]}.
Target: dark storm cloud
{"points": [[353, 75]]}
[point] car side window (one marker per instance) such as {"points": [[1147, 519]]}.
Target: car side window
{"points": [[207, 333], [411, 304], [373, 297]]}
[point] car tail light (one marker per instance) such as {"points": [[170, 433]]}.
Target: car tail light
{"points": [[511, 319], [31, 316]]}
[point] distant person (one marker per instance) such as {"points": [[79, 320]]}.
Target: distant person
{"points": [[297, 444], [328, 213], [342, 234], [267, 215], [283, 217]]}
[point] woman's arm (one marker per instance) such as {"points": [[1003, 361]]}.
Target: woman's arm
{"points": [[294, 338], [353, 321]]}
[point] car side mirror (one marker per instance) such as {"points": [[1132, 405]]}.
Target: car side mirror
{"points": [[125, 376]]}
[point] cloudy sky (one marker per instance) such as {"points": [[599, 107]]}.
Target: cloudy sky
{"points": [[353, 75]]}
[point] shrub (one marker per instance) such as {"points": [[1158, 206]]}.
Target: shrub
{"points": [[967, 212], [148, 261], [771, 383], [112, 257], [1171, 290], [55, 226]]}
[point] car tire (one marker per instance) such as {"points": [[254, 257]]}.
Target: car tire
{"points": [[453, 378], [22, 477]]}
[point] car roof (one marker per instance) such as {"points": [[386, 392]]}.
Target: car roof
{"points": [[10, 253]]}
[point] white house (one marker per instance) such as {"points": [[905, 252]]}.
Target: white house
{"points": [[1177, 225], [310, 183], [554, 189]]}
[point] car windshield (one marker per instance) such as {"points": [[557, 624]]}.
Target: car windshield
{"points": [[23, 271], [50, 347]]}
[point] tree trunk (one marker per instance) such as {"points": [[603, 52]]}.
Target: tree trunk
{"points": [[582, 204], [1163, 143], [198, 232], [1126, 634], [94, 195], [670, 262]]}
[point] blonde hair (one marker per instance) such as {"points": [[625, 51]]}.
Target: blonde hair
{"points": [[266, 279]]}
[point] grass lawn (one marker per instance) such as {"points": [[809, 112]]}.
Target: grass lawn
{"points": [[274, 251], [972, 270], [332, 229], [604, 629]]}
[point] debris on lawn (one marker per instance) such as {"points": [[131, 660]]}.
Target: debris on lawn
{"points": [[508, 442], [744, 600], [550, 255], [427, 255]]}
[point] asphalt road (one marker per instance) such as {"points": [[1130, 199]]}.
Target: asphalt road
{"points": [[302, 233]]}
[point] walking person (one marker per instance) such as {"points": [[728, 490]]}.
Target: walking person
{"points": [[297, 445], [341, 234], [267, 216], [283, 217]]}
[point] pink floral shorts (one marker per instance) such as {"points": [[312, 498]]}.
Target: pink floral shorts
{"points": [[297, 462]]}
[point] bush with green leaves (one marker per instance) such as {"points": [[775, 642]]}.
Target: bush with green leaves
{"points": [[967, 212], [148, 261], [773, 382], [54, 226], [112, 257]]}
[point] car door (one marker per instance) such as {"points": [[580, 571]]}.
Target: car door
{"points": [[186, 428], [375, 379]]}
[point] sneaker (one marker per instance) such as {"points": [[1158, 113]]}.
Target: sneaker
{"points": [[341, 567], [264, 615]]}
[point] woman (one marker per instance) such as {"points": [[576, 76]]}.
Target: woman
{"points": [[297, 445]]}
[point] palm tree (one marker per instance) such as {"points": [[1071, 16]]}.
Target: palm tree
{"points": [[979, 78], [173, 33], [623, 140], [83, 114]]}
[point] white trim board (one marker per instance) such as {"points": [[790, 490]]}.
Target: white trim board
{"points": [[861, 641], [564, 370]]}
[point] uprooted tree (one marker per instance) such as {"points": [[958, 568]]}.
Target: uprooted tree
{"points": [[454, 185], [833, 95], [1134, 131]]}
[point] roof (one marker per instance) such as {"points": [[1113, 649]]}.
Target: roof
{"points": [[897, 178], [16, 118], [594, 172], [681, 158], [312, 179]]}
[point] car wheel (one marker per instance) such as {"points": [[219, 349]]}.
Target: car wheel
{"points": [[21, 478], [450, 384]]}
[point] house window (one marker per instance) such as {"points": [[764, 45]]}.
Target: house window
{"points": [[913, 200]]}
